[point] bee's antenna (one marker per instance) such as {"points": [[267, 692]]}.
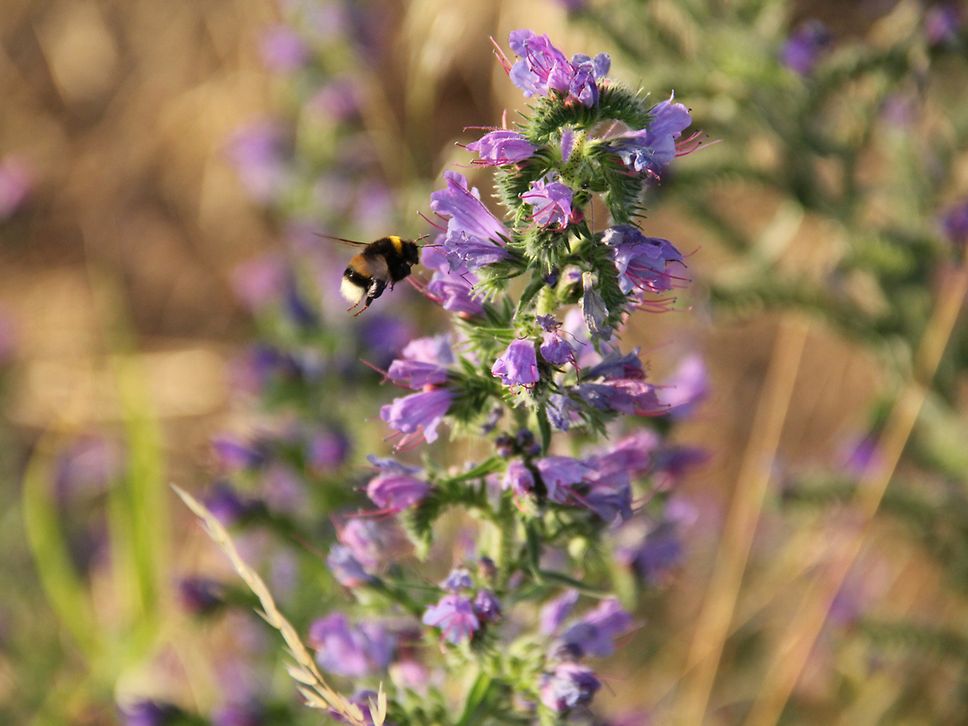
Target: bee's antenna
{"points": [[423, 236], [339, 239]]}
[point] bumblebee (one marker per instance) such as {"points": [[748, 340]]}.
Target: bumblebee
{"points": [[381, 264]]}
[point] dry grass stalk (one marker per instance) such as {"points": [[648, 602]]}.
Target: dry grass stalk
{"points": [[304, 671]]}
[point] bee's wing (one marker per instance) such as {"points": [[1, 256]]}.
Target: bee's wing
{"points": [[353, 242]]}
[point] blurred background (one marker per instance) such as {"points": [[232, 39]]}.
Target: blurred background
{"points": [[163, 167]]}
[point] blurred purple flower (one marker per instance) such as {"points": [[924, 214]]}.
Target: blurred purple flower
{"points": [[517, 366], [458, 579], [616, 366], [551, 201], [559, 473], [568, 686], [233, 454], [554, 612], [942, 23], [594, 633], [501, 147], [248, 713], [373, 542], [623, 396], [328, 449], [486, 606], [396, 491], [283, 51], [424, 363], [562, 411], [954, 224], [200, 595], [519, 479], [346, 569], [151, 713], [383, 336], [257, 152], [454, 616], [15, 185], [805, 46], [338, 99], [349, 650], [227, 505], [686, 388], [860, 454]]}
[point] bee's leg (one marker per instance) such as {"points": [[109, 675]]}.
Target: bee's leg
{"points": [[376, 289]]}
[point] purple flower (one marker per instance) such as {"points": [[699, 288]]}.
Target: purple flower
{"points": [[250, 713], [519, 479], [631, 455], [616, 365], [235, 455], [542, 68], [594, 634], [200, 595], [643, 262], [348, 650], [454, 616], [434, 349], [954, 224], [559, 472], [653, 148], [486, 606], [373, 542], [623, 396], [418, 413], [554, 348], [416, 374], [686, 388], [593, 309], [551, 201], [804, 47], [449, 286], [346, 568], [458, 579], [501, 147], [257, 152], [517, 366], [554, 612], [609, 496], [283, 51], [860, 455], [474, 235], [228, 506], [568, 686], [15, 185], [151, 713], [562, 411], [338, 99], [328, 449], [423, 363], [394, 491], [942, 23]]}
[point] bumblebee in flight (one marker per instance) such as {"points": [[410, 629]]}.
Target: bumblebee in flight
{"points": [[381, 263]]}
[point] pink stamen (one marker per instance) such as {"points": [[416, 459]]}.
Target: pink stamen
{"points": [[501, 56]]}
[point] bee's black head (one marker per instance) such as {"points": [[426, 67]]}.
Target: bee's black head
{"points": [[411, 252]]}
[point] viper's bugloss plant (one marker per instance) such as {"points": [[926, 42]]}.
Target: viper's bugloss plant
{"points": [[560, 503]]}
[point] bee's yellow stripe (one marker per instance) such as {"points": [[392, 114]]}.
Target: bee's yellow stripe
{"points": [[396, 242]]}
